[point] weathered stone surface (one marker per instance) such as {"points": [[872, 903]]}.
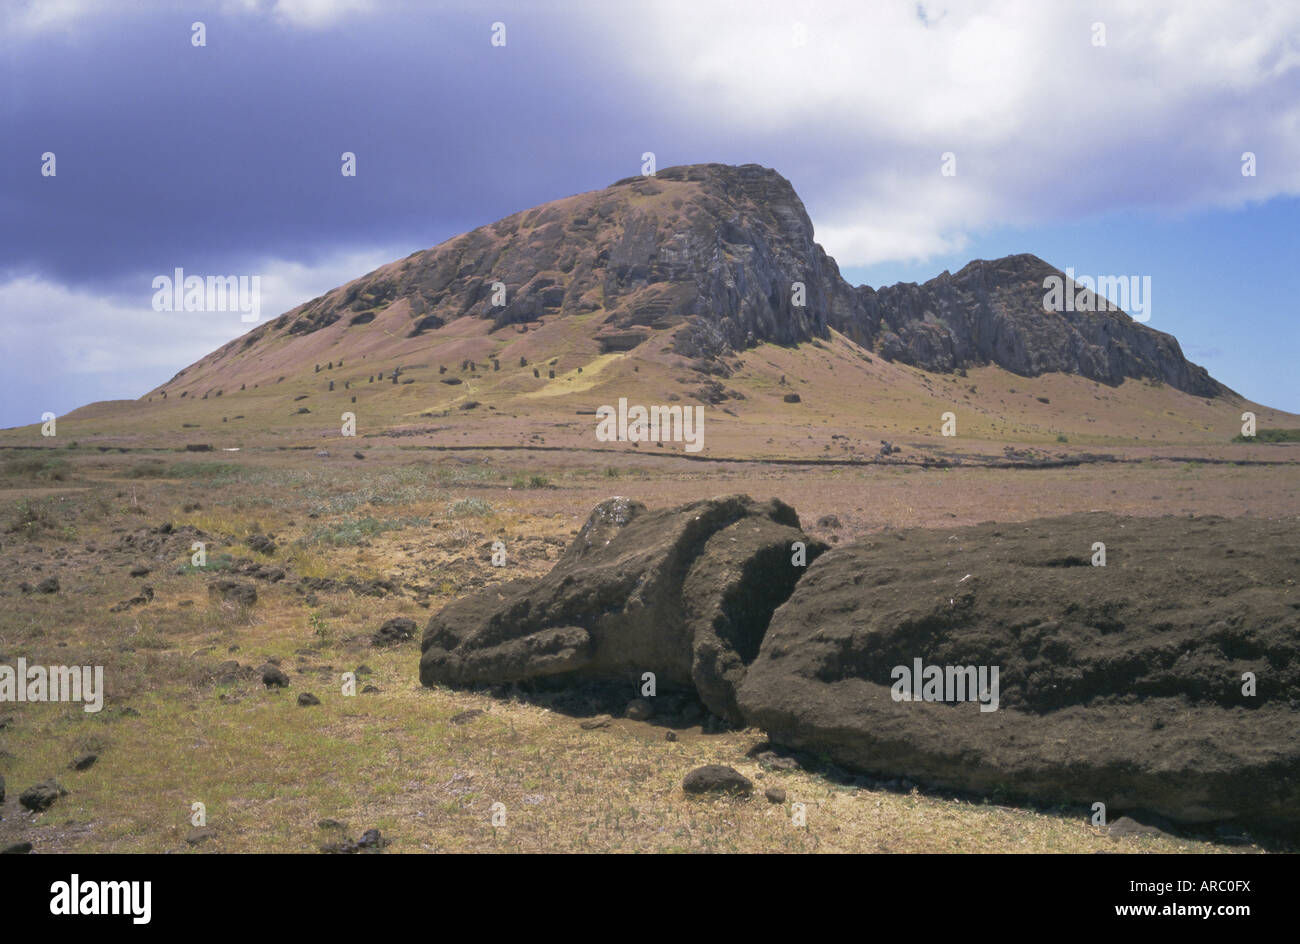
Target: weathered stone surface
{"points": [[682, 592], [1120, 684]]}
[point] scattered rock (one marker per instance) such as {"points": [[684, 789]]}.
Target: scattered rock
{"points": [[370, 690], [792, 398], [394, 631], [41, 797], [48, 585], [144, 597], [307, 699], [465, 717], [770, 760], [775, 794], [328, 823], [670, 736], [260, 543], [717, 778], [232, 591], [371, 841], [84, 762], [200, 835], [139, 570], [1141, 824], [591, 724], [272, 677], [829, 522], [640, 709]]}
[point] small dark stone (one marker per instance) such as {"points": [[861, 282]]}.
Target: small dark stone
{"points": [[640, 709], [670, 736], [232, 591], [791, 398], [717, 778], [394, 631], [370, 690], [1142, 824], [328, 823], [465, 717], [370, 842], [84, 761], [272, 677], [600, 721], [260, 543], [48, 585], [775, 794], [139, 570], [307, 699], [200, 835], [770, 760]]}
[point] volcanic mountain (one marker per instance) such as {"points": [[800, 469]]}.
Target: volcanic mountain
{"points": [[712, 252], [702, 283]]}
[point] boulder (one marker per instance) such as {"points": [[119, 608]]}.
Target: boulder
{"points": [[682, 592], [1120, 683]]}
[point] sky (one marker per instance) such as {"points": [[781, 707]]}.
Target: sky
{"points": [[1104, 137]]}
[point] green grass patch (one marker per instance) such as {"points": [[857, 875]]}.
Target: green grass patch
{"points": [[469, 508], [353, 531], [36, 468], [1270, 436]]}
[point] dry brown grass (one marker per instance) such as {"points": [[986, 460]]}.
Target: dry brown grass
{"points": [[268, 769]]}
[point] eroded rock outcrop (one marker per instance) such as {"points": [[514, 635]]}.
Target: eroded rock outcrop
{"points": [[682, 592], [1121, 684]]}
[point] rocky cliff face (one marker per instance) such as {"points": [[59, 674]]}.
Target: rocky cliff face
{"points": [[714, 252], [992, 313]]}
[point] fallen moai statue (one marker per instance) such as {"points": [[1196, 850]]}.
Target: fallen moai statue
{"points": [[1002, 658], [682, 592], [1161, 673]]}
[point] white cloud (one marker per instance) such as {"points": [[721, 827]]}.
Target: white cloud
{"points": [[1045, 125], [29, 17], [54, 332], [310, 14]]}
